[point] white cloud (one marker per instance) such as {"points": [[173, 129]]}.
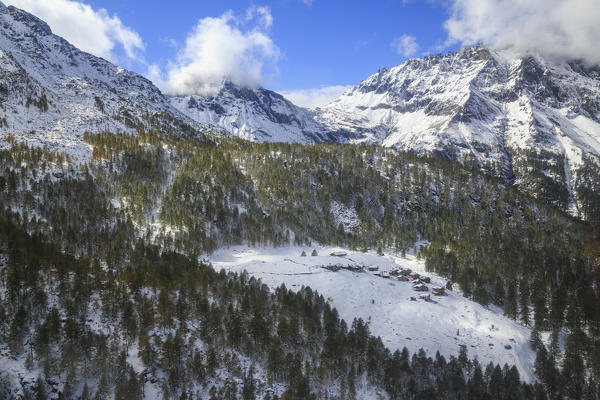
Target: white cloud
{"points": [[94, 31], [405, 45], [311, 98], [558, 28], [262, 14], [226, 47]]}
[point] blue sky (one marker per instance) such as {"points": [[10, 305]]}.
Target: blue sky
{"points": [[290, 45], [324, 43], [310, 50]]}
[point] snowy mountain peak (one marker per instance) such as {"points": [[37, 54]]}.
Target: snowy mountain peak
{"points": [[50, 88], [532, 121], [33, 23], [255, 114], [504, 111]]}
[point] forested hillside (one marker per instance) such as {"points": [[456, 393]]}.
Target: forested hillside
{"points": [[102, 264]]}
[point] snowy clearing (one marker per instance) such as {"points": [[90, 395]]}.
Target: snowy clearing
{"points": [[443, 323]]}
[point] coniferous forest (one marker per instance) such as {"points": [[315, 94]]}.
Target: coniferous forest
{"points": [[101, 271]]}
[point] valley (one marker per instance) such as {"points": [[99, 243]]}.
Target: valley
{"points": [[431, 233]]}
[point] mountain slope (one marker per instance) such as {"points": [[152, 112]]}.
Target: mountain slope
{"points": [[50, 88], [494, 243], [528, 120], [254, 114], [386, 302], [135, 311]]}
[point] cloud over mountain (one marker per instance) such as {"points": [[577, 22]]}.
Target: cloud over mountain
{"points": [[237, 48], [94, 31], [405, 45], [554, 28]]}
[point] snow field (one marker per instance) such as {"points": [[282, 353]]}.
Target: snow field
{"points": [[442, 324]]}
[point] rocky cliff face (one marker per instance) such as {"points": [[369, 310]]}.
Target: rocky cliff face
{"points": [[531, 121]]}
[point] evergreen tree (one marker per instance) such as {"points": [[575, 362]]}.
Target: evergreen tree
{"points": [[249, 388], [40, 389]]}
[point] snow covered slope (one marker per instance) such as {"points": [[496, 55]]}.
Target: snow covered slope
{"points": [[254, 114], [442, 324], [508, 112], [51, 92]]}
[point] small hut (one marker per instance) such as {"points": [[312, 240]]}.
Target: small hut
{"points": [[415, 275], [420, 287], [438, 290], [354, 268]]}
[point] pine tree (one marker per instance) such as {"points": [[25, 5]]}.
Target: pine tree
{"points": [[496, 383], [512, 381], [524, 301], [463, 358], [535, 341], [249, 388], [573, 369], [40, 390], [85, 393], [510, 303], [352, 383], [476, 387]]}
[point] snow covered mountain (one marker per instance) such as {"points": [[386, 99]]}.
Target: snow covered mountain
{"points": [[51, 92], [254, 114], [531, 121]]}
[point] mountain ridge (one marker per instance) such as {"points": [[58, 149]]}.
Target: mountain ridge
{"points": [[56, 91], [533, 122], [255, 114]]}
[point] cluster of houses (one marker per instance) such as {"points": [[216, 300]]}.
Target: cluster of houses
{"points": [[401, 274], [407, 275]]}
